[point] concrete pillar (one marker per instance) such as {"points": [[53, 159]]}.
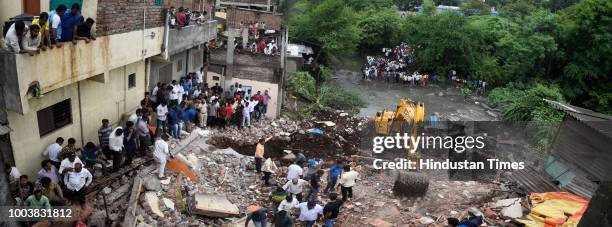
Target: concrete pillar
{"points": [[229, 60], [245, 37]]}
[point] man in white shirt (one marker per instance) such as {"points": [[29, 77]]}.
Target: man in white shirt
{"points": [[174, 94], [31, 40], [53, 150], [162, 112], [76, 182], [12, 172], [161, 153], [13, 37], [347, 181], [69, 163], [200, 76], [115, 143], [55, 21], [294, 171], [288, 204], [296, 187], [309, 213]]}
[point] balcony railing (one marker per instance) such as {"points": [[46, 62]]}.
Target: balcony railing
{"points": [[59, 67], [184, 38]]}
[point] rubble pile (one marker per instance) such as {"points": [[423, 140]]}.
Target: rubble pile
{"points": [[375, 204], [333, 133]]}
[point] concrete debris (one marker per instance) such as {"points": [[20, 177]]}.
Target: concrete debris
{"points": [[168, 203], [379, 223], [151, 183], [510, 207], [152, 201], [426, 220], [214, 206]]}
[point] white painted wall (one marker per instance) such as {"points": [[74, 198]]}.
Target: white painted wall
{"points": [[112, 100]]}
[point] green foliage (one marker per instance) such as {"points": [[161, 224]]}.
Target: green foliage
{"points": [[381, 28], [327, 97], [407, 5], [467, 92], [447, 2], [330, 25], [302, 84], [526, 103], [585, 35], [362, 5], [475, 7]]}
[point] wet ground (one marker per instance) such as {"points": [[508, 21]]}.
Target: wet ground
{"points": [[447, 101]]}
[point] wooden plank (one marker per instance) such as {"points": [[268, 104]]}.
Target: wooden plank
{"points": [[130, 214]]}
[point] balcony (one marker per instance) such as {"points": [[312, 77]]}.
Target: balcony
{"points": [[249, 2], [184, 38], [245, 58], [58, 67]]}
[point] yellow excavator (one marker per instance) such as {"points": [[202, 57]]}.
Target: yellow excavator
{"points": [[406, 118]]}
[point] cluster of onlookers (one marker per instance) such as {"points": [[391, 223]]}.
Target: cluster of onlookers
{"points": [[49, 30], [393, 66], [298, 198], [183, 17]]}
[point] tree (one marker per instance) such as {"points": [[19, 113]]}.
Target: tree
{"points": [[585, 35], [361, 5], [408, 5], [329, 25], [440, 42], [475, 7], [380, 28]]}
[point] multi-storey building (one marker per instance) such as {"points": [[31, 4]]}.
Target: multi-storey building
{"points": [[84, 83], [256, 72]]}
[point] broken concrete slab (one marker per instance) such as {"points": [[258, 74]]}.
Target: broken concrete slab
{"points": [[426, 220], [168, 203], [151, 183], [153, 202], [118, 193], [379, 223], [214, 205], [511, 207]]}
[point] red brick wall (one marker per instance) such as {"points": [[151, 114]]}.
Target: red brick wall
{"points": [[119, 16], [235, 16]]}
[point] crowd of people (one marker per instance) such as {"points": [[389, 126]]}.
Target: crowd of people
{"points": [[183, 17], [295, 195], [179, 106], [49, 30], [394, 66]]}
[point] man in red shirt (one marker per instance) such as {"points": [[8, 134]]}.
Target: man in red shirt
{"points": [[181, 19]]}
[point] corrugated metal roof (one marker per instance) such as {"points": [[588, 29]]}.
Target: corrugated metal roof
{"points": [[598, 121]]}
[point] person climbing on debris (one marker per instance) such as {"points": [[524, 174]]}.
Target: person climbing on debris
{"points": [[332, 209], [309, 213], [283, 219], [277, 196], [346, 182], [295, 187], [332, 176], [315, 185], [161, 153], [294, 171], [269, 168], [258, 214], [259, 153]]}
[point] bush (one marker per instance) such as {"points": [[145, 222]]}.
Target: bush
{"points": [[327, 97]]}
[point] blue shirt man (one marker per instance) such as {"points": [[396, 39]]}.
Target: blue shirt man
{"points": [[70, 21], [334, 173]]}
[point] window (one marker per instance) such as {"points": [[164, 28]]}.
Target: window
{"points": [[215, 78], [159, 2], [132, 80], [54, 117], [179, 66]]}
